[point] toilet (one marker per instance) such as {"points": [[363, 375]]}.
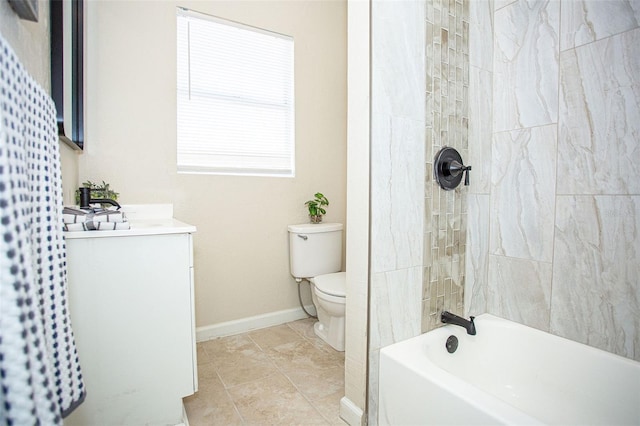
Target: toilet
{"points": [[315, 254]]}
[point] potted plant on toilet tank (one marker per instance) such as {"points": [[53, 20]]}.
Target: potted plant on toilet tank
{"points": [[315, 207]]}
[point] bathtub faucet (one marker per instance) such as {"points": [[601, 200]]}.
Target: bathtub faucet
{"points": [[449, 318]]}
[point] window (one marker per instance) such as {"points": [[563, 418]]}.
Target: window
{"points": [[235, 98]]}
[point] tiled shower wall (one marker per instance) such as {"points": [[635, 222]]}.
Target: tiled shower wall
{"points": [[396, 179], [554, 222], [418, 104], [447, 124]]}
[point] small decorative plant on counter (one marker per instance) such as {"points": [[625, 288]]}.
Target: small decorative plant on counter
{"points": [[98, 191], [315, 207]]}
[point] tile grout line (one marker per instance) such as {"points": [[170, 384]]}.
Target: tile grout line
{"points": [[303, 338]]}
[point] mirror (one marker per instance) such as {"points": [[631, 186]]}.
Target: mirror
{"points": [[67, 79]]}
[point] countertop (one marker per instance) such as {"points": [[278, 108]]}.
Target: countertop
{"points": [[144, 219]]}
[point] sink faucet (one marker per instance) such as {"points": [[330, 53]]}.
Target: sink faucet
{"points": [[449, 318], [85, 199]]}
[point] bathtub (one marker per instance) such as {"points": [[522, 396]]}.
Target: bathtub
{"points": [[506, 374]]}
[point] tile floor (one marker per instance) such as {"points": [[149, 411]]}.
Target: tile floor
{"points": [[281, 375]]}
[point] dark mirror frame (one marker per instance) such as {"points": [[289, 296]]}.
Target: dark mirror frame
{"points": [[74, 138], [26, 9]]}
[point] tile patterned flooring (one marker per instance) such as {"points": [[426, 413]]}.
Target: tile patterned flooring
{"points": [[281, 375]]}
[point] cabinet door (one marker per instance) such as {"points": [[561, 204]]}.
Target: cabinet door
{"points": [[130, 303]]}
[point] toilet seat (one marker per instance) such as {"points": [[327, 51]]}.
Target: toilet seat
{"points": [[331, 284]]}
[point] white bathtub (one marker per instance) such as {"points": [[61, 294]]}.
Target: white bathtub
{"points": [[506, 374]]}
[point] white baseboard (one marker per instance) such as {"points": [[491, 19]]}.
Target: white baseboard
{"points": [[350, 412], [243, 325]]}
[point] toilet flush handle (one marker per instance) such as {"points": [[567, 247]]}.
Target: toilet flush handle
{"points": [[304, 237]]}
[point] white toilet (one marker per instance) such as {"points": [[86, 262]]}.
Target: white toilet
{"points": [[315, 253]]}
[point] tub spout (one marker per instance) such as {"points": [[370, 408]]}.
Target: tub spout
{"points": [[449, 318]]}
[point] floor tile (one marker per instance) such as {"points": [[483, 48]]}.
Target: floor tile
{"points": [[317, 383], [301, 355], [211, 405], [275, 376], [304, 327], [201, 355], [229, 346], [274, 401], [274, 336], [329, 407], [245, 368]]}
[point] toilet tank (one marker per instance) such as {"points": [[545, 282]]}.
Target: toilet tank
{"points": [[315, 249]]}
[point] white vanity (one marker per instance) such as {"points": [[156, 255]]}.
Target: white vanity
{"points": [[132, 312]]}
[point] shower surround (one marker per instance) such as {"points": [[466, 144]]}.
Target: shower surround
{"points": [[547, 234], [418, 105], [554, 217]]}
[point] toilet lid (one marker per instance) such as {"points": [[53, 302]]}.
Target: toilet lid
{"points": [[333, 284]]}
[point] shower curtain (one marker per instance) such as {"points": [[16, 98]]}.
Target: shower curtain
{"points": [[40, 376]]}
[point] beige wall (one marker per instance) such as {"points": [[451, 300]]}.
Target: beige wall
{"points": [[30, 40], [241, 247]]}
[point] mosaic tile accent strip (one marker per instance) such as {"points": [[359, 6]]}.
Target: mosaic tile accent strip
{"points": [[447, 124]]}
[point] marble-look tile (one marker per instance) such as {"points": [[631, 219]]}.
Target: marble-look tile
{"points": [[600, 117], [477, 255], [223, 346], [211, 409], [526, 65], [211, 405], [303, 355], [583, 21], [520, 290], [395, 308], [596, 295], [207, 373], [499, 4], [274, 336], [481, 34], [201, 355], [273, 400], [523, 193], [398, 89], [480, 130], [327, 408], [304, 327], [237, 359], [317, 383], [397, 188], [244, 368]]}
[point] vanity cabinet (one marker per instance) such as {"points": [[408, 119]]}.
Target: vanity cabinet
{"points": [[132, 312]]}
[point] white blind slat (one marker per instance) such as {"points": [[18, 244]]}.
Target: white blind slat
{"points": [[235, 98]]}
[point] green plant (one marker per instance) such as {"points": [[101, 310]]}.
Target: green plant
{"points": [[315, 206], [98, 191]]}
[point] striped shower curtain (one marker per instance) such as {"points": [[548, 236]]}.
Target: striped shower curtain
{"points": [[40, 377]]}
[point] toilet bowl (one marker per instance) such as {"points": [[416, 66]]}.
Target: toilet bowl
{"points": [[329, 298]]}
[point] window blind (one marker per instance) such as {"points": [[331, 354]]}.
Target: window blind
{"points": [[235, 98]]}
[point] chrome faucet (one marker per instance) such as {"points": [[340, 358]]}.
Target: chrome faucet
{"points": [[448, 318]]}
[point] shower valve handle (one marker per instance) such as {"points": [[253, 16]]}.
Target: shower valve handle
{"points": [[455, 168], [448, 169]]}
